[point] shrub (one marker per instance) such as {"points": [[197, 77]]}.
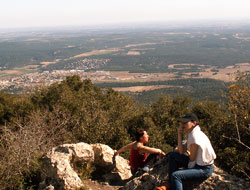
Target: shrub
{"points": [[24, 142]]}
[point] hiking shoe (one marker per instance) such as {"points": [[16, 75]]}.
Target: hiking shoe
{"points": [[146, 168], [165, 187]]}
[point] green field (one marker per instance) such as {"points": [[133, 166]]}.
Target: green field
{"points": [[2, 74], [27, 71]]}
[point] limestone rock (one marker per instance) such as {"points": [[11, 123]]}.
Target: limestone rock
{"points": [[122, 167], [116, 167], [58, 173], [103, 155], [57, 170]]}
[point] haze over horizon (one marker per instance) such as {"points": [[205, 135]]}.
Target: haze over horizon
{"points": [[56, 13]]}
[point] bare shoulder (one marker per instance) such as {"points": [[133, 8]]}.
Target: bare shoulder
{"points": [[139, 145], [133, 145]]}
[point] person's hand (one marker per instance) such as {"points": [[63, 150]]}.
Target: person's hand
{"points": [[116, 152], [176, 149], [163, 153]]}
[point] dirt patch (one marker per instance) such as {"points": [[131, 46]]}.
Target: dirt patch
{"points": [[94, 185], [45, 64], [176, 33], [141, 88], [136, 77], [141, 44], [243, 64], [172, 66], [29, 67], [96, 52], [133, 53], [142, 49], [13, 72]]}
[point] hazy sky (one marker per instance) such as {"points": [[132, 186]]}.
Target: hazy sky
{"points": [[27, 13]]}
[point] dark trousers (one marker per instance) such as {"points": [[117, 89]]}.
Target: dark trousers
{"points": [[151, 159]]}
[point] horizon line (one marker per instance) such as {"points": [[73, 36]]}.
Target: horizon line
{"points": [[135, 24]]}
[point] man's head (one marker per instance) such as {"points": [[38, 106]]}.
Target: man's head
{"points": [[189, 121]]}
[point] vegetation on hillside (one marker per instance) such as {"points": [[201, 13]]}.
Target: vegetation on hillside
{"points": [[78, 111], [197, 89]]}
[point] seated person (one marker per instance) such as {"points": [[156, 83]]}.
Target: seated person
{"points": [[196, 156], [138, 152]]}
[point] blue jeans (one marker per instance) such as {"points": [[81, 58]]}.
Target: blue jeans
{"points": [[176, 176]]}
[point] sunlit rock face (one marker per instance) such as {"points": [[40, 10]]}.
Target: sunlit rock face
{"points": [[58, 171]]}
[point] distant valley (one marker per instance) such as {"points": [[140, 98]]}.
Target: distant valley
{"points": [[28, 59]]}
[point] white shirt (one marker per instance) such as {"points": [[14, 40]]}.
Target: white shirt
{"points": [[205, 154]]}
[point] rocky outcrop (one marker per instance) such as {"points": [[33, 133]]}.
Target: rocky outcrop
{"points": [[58, 171], [220, 180]]}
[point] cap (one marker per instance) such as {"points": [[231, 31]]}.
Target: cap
{"points": [[188, 117]]}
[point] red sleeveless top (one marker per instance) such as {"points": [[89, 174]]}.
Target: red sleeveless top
{"points": [[137, 160]]}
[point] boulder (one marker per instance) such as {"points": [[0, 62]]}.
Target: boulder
{"points": [[57, 169], [103, 155]]}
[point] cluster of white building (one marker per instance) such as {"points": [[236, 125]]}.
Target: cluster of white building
{"points": [[32, 80]]}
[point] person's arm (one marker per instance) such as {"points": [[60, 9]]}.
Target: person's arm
{"points": [[182, 148], [127, 147], [146, 149], [193, 151], [192, 156]]}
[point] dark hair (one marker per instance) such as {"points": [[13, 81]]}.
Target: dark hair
{"points": [[138, 134], [197, 122]]}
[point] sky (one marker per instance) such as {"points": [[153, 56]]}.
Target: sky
{"points": [[47, 13]]}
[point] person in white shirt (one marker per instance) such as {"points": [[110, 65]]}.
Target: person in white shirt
{"points": [[196, 156]]}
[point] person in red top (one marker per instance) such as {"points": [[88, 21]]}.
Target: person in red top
{"points": [[138, 152]]}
